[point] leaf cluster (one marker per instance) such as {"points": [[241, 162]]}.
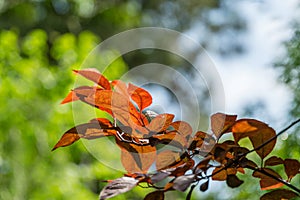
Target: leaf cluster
{"points": [[182, 159]]}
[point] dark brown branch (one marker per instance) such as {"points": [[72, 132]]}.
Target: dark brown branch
{"points": [[275, 178]]}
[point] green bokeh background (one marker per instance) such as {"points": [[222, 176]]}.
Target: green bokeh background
{"points": [[41, 41]]}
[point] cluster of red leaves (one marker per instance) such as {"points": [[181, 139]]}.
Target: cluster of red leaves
{"points": [[182, 160]]}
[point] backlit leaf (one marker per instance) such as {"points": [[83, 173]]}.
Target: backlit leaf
{"points": [[183, 128], [88, 131], [117, 186], [291, 167], [219, 174], [156, 195], [266, 182], [258, 133], [95, 76], [70, 97], [221, 123], [135, 158], [280, 194], [141, 97]]}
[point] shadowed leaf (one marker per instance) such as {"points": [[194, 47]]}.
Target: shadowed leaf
{"points": [[204, 186], [166, 158], [272, 161], [160, 123], [183, 128], [156, 195], [266, 182], [117, 186], [181, 183], [291, 167], [233, 181], [279, 195], [219, 174]]}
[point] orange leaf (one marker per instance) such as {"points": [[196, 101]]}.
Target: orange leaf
{"points": [[87, 131], [183, 128], [167, 158], [202, 141], [120, 87], [95, 76], [219, 174], [141, 97], [170, 138], [70, 97], [266, 182], [291, 167], [136, 159], [160, 123], [222, 123], [258, 133]]}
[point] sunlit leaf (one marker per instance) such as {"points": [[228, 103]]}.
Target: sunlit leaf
{"points": [[156, 195], [96, 129], [70, 97], [95, 76], [136, 159], [141, 97], [258, 133], [267, 182], [291, 167], [202, 141], [169, 138], [280, 194], [233, 181], [219, 174], [117, 186], [221, 123]]}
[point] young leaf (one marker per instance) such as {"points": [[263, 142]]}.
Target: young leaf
{"points": [[272, 161], [291, 167], [258, 133], [268, 182], [279, 194], [118, 186], [95, 76], [141, 97], [181, 183], [221, 123], [156, 195], [70, 97], [233, 181]]}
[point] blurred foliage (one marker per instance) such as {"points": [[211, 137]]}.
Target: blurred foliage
{"points": [[41, 41]]}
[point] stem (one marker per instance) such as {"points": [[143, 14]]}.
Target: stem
{"points": [[273, 138], [275, 178]]}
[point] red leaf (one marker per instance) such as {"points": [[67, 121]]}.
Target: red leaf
{"points": [[118, 186], [222, 123], [258, 133], [88, 131], [279, 194], [266, 182], [140, 96], [95, 76], [156, 195], [291, 167]]}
